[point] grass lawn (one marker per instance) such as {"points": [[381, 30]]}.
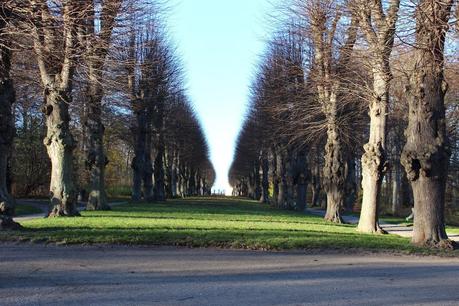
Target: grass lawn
{"points": [[24, 210], [205, 222]]}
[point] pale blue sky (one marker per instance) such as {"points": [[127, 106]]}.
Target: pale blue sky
{"points": [[220, 42]]}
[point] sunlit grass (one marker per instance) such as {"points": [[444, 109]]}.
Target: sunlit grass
{"points": [[201, 222]]}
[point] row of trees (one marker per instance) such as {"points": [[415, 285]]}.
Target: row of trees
{"points": [[103, 68], [344, 75]]}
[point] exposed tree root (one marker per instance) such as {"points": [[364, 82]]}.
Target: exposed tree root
{"points": [[59, 211], [442, 244], [7, 223]]}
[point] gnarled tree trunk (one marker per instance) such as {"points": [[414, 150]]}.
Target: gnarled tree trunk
{"points": [[426, 152], [334, 175], [374, 164], [60, 144]]}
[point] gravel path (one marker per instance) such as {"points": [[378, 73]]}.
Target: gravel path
{"points": [[44, 205], [396, 229], [33, 274]]}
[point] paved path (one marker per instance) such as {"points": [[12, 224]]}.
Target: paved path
{"points": [[89, 275], [44, 205], [396, 229]]}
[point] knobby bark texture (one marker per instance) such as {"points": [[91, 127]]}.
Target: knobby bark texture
{"points": [[334, 175], [327, 73], [7, 98], [379, 30], [426, 152], [60, 144], [56, 63]]}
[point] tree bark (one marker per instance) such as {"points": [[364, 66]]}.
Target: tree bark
{"points": [[138, 162], [351, 185], [281, 172], [97, 50], [374, 164], [7, 130], [378, 26], [148, 190], [265, 178], [275, 178], [301, 180], [426, 152], [316, 183], [334, 175], [160, 194], [60, 144], [396, 189], [96, 160]]}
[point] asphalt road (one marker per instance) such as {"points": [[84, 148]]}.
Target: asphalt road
{"points": [[33, 274]]}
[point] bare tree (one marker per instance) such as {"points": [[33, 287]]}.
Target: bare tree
{"points": [[54, 27], [96, 36], [327, 71], [426, 153], [379, 30]]}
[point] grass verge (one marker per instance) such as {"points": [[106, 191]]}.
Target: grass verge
{"points": [[206, 222]]}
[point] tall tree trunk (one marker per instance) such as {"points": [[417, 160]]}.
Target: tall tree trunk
{"points": [[351, 185], [60, 144], [334, 175], [7, 98], [138, 162], [96, 160], [265, 178], [148, 190], [174, 175], [281, 172], [275, 179], [160, 194], [426, 152], [289, 175], [316, 182], [301, 178], [256, 181], [374, 163], [396, 189]]}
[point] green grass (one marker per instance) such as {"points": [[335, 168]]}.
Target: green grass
{"points": [[24, 210], [205, 222]]}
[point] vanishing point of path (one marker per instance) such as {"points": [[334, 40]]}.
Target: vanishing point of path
{"points": [[34, 274]]}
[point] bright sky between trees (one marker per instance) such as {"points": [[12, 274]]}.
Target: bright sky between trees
{"points": [[220, 42]]}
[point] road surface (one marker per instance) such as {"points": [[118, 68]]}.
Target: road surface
{"points": [[34, 274]]}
